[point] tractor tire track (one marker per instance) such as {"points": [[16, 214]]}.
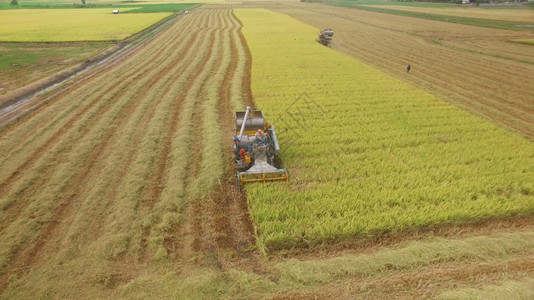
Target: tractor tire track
{"points": [[233, 226], [136, 144]]}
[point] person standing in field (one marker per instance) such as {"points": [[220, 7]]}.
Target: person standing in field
{"points": [[408, 68]]}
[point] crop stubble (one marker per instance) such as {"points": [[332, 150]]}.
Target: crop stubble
{"points": [[113, 168]]}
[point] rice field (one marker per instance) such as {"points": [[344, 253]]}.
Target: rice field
{"points": [[69, 25], [367, 153], [122, 164], [517, 15], [120, 185]]}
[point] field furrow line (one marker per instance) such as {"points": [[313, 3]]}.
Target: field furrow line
{"points": [[77, 134], [229, 98], [134, 191], [230, 219], [244, 70], [186, 143], [197, 229], [210, 167], [158, 178], [62, 208], [156, 106], [101, 97]]}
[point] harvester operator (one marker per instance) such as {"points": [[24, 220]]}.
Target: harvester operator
{"points": [[259, 138]]}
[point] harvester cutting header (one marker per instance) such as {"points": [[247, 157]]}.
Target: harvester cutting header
{"points": [[256, 149], [325, 36]]}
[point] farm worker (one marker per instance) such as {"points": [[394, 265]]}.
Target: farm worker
{"points": [[408, 68], [259, 138], [242, 152]]}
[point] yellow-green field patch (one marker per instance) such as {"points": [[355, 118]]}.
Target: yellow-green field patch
{"points": [[525, 41], [367, 153], [66, 25]]}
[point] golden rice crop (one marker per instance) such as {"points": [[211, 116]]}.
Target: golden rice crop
{"points": [[67, 25], [368, 153]]}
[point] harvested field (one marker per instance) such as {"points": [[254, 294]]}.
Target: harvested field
{"points": [[116, 170], [474, 68], [121, 187]]}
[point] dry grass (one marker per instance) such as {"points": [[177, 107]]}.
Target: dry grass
{"points": [[98, 194], [516, 15]]}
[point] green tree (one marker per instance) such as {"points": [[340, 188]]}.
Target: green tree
{"points": [[83, 2], [14, 3]]}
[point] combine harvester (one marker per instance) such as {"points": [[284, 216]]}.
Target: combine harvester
{"points": [[325, 36], [256, 149]]}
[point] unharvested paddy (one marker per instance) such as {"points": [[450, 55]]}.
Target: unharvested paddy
{"points": [[368, 153]]}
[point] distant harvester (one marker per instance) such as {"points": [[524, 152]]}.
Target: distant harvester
{"points": [[325, 36], [115, 12]]}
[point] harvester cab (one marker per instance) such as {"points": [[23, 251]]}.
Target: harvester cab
{"points": [[325, 36], [256, 149]]}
